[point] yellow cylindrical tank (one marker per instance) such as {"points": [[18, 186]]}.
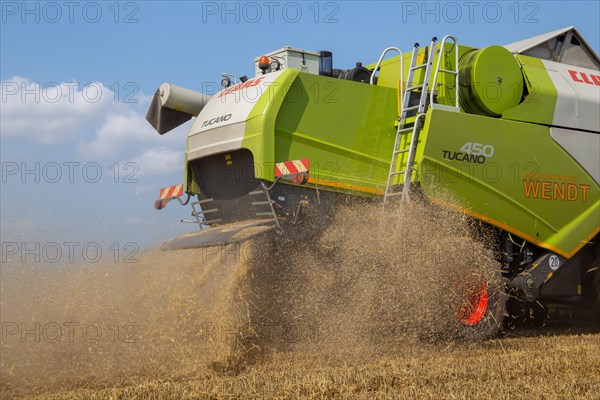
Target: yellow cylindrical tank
{"points": [[491, 81]]}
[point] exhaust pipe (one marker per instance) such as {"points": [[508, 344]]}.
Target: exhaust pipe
{"points": [[174, 105]]}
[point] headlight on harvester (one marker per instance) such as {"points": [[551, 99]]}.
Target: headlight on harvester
{"points": [[226, 82]]}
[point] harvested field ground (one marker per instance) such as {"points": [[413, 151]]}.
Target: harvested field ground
{"points": [[348, 314], [548, 367]]}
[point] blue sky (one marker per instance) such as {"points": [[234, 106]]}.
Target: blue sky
{"points": [[108, 58]]}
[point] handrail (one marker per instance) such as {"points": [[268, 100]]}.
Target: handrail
{"points": [[372, 79], [437, 69]]}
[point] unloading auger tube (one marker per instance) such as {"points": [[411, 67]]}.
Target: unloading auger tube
{"points": [[506, 134]]}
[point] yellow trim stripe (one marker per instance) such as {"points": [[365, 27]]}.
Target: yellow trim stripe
{"points": [[519, 233], [342, 185], [492, 221]]}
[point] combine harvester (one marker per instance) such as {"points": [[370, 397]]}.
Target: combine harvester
{"points": [[507, 134]]}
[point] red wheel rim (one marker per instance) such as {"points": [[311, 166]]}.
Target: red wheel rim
{"points": [[474, 304]]}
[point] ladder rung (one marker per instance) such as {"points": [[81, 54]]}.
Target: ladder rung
{"points": [[212, 221], [410, 88], [206, 212], [405, 130], [204, 201], [447, 71], [400, 151], [437, 106], [418, 67], [257, 192], [411, 108], [398, 172], [259, 203]]}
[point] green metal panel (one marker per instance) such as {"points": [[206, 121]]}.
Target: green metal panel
{"points": [[259, 136], [540, 102], [345, 128], [529, 185], [190, 181]]}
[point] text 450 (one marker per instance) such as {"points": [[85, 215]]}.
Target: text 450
{"points": [[478, 149]]}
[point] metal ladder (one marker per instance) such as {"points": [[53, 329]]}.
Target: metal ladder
{"points": [[200, 215], [404, 129], [271, 215], [259, 198]]}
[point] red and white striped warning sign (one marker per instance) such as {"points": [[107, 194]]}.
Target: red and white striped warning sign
{"points": [[290, 168], [171, 191], [167, 194], [296, 170]]}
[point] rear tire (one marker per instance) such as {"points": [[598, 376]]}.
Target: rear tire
{"points": [[478, 303]]}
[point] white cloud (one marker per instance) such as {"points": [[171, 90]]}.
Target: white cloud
{"points": [[124, 132], [49, 113], [88, 117], [160, 161]]}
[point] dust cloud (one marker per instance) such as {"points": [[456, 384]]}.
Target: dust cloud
{"points": [[370, 283]]}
